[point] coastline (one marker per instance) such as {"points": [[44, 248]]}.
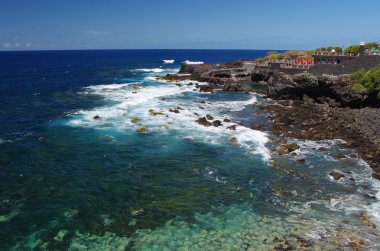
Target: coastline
{"points": [[301, 108]]}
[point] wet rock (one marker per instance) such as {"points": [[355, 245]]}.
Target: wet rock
{"points": [[337, 175], [141, 130], [203, 121], [154, 113], [281, 151], [234, 141], [206, 88], [301, 160], [217, 123], [226, 120], [256, 127], [233, 127], [292, 147], [341, 155], [135, 120], [96, 117], [173, 110], [209, 117]]}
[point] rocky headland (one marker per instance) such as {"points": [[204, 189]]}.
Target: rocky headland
{"points": [[300, 106]]}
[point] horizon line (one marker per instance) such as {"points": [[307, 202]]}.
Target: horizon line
{"points": [[149, 49]]}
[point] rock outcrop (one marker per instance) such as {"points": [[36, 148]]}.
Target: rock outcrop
{"points": [[337, 91]]}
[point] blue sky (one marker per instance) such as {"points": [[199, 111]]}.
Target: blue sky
{"points": [[191, 24]]}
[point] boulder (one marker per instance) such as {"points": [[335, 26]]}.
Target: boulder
{"points": [[217, 123], [337, 175], [203, 121], [233, 127]]}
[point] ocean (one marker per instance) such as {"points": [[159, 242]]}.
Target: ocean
{"points": [[92, 158]]}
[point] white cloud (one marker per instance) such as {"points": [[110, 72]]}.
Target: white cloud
{"points": [[28, 44], [96, 32], [6, 44]]}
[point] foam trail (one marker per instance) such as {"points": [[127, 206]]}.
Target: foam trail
{"points": [[193, 62], [136, 103], [155, 70]]}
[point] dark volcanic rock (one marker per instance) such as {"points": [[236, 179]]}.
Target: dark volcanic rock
{"points": [[336, 90], [196, 70], [206, 88], [292, 147], [234, 87], [217, 123], [203, 121], [233, 127], [337, 175], [209, 117]]}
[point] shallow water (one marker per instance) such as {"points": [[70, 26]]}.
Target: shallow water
{"points": [[142, 177]]}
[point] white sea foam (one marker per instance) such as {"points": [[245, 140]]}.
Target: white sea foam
{"points": [[193, 62], [168, 61], [352, 203], [136, 103], [155, 70]]}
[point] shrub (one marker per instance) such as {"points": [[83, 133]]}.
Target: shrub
{"points": [[367, 80], [260, 60], [357, 76], [272, 52]]}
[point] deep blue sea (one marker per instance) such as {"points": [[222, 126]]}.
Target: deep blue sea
{"points": [[92, 158]]}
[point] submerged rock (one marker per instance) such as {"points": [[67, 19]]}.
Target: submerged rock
{"points": [[141, 130], [137, 212], [135, 120], [61, 235], [337, 175], [234, 141]]}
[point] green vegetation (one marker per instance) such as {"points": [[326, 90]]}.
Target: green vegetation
{"points": [[370, 80], [329, 49], [288, 55], [354, 49]]}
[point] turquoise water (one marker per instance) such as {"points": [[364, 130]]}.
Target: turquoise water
{"points": [[105, 165]]}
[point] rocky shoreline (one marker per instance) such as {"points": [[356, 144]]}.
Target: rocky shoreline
{"points": [[301, 106]]}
